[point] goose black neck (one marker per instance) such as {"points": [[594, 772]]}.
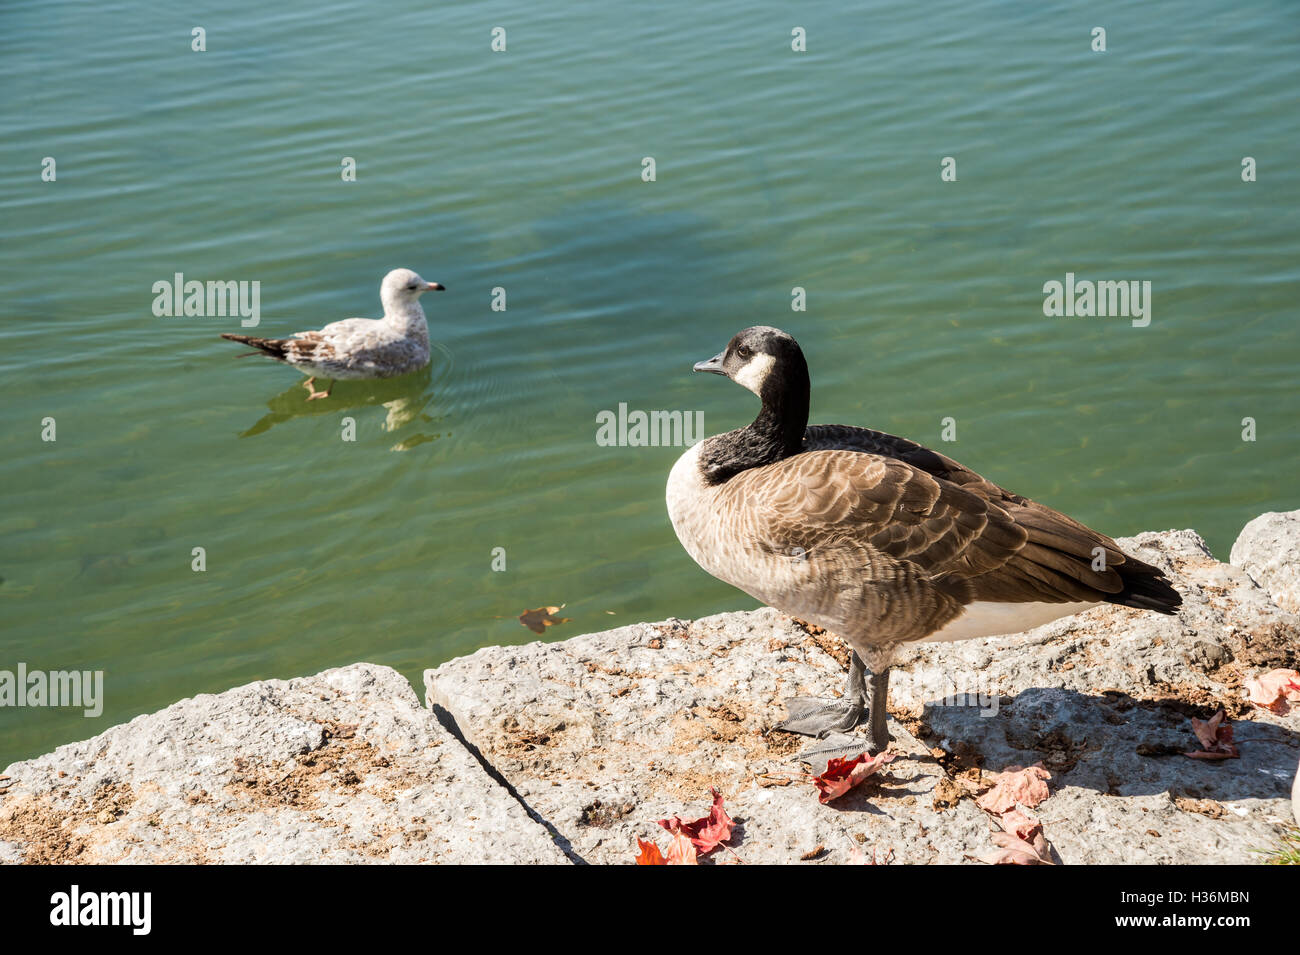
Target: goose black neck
{"points": [[784, 415], [775, 434]]}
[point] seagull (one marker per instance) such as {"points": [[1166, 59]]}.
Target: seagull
{"points": [[384, 347], [878, 539]]}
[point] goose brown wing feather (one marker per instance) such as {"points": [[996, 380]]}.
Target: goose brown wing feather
{"points": [[1056, 558], [829, 499]]}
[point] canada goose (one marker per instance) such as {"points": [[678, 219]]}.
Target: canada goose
{"points": [[876, 538], [384, 347]]}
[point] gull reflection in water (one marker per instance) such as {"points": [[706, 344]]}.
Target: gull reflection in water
{"points": [[404, 401]]}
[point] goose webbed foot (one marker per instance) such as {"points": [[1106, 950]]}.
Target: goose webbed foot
{"points": [[809, 716], [863, 701]]}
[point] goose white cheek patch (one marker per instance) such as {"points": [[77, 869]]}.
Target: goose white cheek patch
{"points": [[755, 373]]}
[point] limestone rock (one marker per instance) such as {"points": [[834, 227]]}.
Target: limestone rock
{"points": [[344, 766], [1268, 548]]}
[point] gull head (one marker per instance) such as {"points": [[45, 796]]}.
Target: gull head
{"points": [[403, 287]]}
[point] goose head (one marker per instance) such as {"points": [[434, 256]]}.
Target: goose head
{"points": [[402, 288], [764, 360], [768, 362]]}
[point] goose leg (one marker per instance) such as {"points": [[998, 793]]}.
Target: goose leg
{"points": [[878, 738], [862, 698]]}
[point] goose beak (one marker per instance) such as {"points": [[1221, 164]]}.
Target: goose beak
{"points": [[434, 287], [713, 365]]}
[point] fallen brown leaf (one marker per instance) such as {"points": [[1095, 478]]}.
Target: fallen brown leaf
{"points": [[542, 617]]}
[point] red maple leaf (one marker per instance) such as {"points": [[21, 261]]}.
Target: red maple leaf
{"points": [[1021, 841], [708, 832], [681, 852], [649, 854], [1215, 735], [1276, 690], [1016, 851], [843, 774], [1016, 784]]}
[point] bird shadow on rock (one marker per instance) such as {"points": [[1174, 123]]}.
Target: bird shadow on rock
{"points": [[1117, 744], [404, 400]]}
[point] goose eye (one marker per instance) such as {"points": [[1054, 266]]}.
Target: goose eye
{"points": [[743, 351]]}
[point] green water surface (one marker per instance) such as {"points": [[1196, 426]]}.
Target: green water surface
{"points": [[523, 170]]}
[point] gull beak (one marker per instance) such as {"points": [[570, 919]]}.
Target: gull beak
{"points": [[713, 365], [434, 287]]}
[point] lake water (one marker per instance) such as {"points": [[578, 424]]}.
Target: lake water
{"points": [[523, 170]]}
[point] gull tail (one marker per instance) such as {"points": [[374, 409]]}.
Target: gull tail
{"points": [[273, 347]]}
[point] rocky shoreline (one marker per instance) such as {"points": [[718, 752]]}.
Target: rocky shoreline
{"points": [[570, 752]]}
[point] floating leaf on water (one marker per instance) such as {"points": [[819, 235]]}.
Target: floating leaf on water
{"points": [[539, 619]]}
